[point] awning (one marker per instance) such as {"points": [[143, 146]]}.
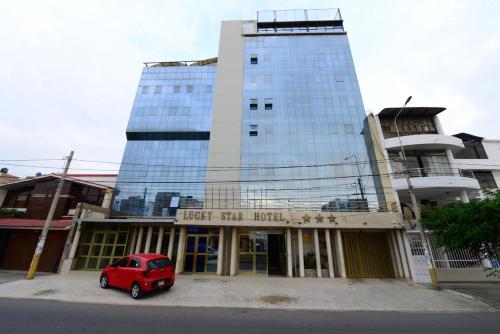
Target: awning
{"points": [[35, 224]]}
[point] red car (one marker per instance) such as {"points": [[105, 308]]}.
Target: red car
{"points": [[139, 273]]}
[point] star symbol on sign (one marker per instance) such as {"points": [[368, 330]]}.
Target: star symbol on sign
{"points": [[306, 218], [331, 218], [319, 218]]}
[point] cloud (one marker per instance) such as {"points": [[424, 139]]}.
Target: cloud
{"points": [[69, 69]]}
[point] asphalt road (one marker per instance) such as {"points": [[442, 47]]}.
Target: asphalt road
{"points": [[43, 316]]}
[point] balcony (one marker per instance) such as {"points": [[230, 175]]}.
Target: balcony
{"points": [[425, 142], [435, 182]]}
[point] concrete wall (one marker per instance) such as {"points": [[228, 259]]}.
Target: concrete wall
{"points": [[225, 136], [380, 156], [463, 275]]}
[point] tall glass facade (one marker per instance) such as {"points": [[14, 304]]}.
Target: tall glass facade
{"points": [[165, 158], [302, 125]]}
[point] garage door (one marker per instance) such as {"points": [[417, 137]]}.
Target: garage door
{"points": [[20, 246], [367, 254]]}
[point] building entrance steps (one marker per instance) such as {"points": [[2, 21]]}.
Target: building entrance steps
{"points": [[253, 292]]}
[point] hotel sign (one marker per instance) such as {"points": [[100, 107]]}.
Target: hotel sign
{"points": [[286, 218], [206, 215]]}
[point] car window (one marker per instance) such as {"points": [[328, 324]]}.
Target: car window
{"points": [[134, 263], [159, 263], [121, 263]]}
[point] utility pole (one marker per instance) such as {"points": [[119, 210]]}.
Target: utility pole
{"points": [[414, 203], [360, 182], [43, 235]]}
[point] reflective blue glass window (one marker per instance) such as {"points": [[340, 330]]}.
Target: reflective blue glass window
{"points": [[310, 141]]}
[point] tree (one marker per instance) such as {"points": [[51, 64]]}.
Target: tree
{"points": [[474, 226]]}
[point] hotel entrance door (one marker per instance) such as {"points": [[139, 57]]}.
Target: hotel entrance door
{"points": [[276, 254], [253, 253], [201, 250]]}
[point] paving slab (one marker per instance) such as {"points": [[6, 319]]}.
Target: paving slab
{"points": [[254, 292]]}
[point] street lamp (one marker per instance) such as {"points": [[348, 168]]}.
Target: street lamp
{"points": [[359, 176], [414, 202]]}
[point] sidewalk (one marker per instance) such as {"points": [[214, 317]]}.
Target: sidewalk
{"points": [[489, 292], [253, 292]]}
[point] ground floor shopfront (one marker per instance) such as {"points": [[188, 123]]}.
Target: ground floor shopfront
{"points": [[253, 242]]}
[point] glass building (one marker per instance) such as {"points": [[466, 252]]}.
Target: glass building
{"points": [[164, 163], [259, 161], [300, 122], [303, 121]]}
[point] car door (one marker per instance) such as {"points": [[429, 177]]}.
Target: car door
{"points": [[116, 273], [132, 272]]}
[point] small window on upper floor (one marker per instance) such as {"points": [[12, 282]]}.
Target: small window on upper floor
{"points": [[189, 88], [157, 89], [253, 104], [145, 89], [254, 60], [253, 130], [177, 89], [268, 104]]}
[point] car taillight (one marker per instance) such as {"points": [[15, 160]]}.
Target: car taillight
{"points": [[145, 273]]}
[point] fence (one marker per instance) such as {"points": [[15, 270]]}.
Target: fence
{"points": [[455, 259]]}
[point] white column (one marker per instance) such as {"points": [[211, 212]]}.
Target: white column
{"points": [[289, 252], [464, 197], [220, 251], [397, 257], [133, 241], [402, 254], [76, 240], [317, 253], [106, 202], [180, 250], [147, 246], [139, 240], [340, 253], [171, 241], [301, 253], [234, 251], [160, 240], [331, 271]]}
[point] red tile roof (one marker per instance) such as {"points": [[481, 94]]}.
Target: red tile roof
{"points": [[33, 223]]}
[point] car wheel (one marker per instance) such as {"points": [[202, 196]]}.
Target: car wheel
{"points": [[104, 282], [135, 291], [168, 287]]}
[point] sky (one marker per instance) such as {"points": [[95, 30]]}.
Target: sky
{"points": [[69, 69]]}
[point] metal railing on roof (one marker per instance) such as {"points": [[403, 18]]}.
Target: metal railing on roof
{"points": [[299, 15], [203, 62], [299, 21]]}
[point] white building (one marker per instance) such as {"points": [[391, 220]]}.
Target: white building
{"points": [[443, 169]]}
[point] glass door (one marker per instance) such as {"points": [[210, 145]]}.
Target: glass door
{"points": [[201, 252], [253, 253]]}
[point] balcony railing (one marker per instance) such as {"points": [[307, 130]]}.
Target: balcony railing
{"points": [[434, 171]]}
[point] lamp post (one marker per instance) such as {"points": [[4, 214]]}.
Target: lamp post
{"points": [[414, 202], [360, 184]]}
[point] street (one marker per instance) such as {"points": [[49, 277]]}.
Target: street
{"points": [[44, 316]]}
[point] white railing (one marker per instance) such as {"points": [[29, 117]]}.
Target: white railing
{"points": [[451, 259], [460, 258], [434, 171]]}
